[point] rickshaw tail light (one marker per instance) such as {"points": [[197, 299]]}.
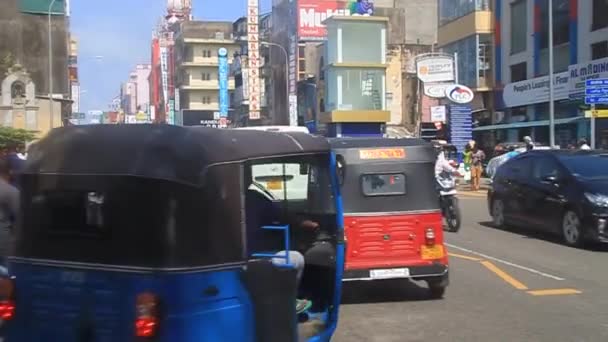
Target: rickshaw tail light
{"points": [[429, 236], [146, 327], [146, 323], [7, 302], [7, 310]]}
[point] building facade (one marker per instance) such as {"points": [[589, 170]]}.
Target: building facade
{"points": [[580, 48], [466, 30], [197, 67]]}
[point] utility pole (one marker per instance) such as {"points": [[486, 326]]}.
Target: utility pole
{"points": [[50, 26], [551, 85]]}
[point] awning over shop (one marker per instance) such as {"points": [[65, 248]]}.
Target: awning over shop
{"points": [[528, 124]]}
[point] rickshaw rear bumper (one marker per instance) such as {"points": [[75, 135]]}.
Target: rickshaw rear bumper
{"points": [[419, 272]]}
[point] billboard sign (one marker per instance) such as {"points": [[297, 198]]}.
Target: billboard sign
{"points": [[435, 69], [222, 54], [253, 48], [311, 14]]}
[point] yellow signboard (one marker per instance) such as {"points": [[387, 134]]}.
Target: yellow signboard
{"points": [[383, 153], [597, 113]]}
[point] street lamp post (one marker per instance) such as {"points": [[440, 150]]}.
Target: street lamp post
{"points": [[551, 86], [51, 109], [286, 75]]}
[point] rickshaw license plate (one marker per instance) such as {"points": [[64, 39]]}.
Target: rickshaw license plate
{"points": [[390, 273], [432, 252], [274, 185]]}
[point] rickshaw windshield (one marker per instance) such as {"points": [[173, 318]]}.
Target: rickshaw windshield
{"points": [[303, 181]]}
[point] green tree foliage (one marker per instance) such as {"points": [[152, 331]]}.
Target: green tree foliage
{"points": [[6, 62], [15, 136]]}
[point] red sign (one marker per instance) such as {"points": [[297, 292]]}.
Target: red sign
{"points": [[311, 14]]}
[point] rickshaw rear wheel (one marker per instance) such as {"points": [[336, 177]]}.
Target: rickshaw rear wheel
{"points": [[436, 290], [437, 286]]}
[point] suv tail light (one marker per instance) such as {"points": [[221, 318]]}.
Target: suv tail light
{"points": [[146, 309], [7, 299], [429, 236]]}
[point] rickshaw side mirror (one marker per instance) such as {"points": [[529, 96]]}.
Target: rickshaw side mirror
{"points": [[340, 169]]}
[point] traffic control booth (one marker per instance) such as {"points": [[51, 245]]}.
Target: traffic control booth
{"points": [[355, 77]]}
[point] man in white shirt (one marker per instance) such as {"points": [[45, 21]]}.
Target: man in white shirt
{"points": [[582, 144]]}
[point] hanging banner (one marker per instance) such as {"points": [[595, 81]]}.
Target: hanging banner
{"points": [[253, 42], [293, 81], [164, 71], [222, 54]]}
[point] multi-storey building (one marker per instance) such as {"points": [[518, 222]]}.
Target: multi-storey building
{"points": [[197, 67], [580, 47]]}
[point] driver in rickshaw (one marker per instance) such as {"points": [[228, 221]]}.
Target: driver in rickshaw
{"points": [[262, 211]]}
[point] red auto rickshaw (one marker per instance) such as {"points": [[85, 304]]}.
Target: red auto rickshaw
{"points": [[392, 217]]}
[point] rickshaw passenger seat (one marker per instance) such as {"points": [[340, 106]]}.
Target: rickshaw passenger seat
{"points": [[274, 255]]}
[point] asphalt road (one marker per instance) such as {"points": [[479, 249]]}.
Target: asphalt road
{"points": [[505, 286]]}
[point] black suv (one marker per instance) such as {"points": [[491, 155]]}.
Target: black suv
{"points": [[556, 191]]}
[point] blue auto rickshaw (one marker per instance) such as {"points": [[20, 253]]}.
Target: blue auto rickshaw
{"points": [[145, 233]]}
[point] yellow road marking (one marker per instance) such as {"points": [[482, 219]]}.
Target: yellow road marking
{"points": [[554, 292], [505, 276], [474, 194], [466, 257]]}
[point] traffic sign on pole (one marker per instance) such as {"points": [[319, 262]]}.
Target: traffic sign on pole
{"points": [[596, 92]]}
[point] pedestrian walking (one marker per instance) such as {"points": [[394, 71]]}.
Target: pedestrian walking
{"points": [[466, 160], [477, 159], [9, 209]]}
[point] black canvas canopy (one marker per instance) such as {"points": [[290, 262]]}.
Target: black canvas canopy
{"points": [[159, 151]]}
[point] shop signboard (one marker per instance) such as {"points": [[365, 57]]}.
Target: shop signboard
{"points": [[580, 73], [535, 90], [171, 111], [223, 81], [438, 113], [433, 69], [436, 90]]}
